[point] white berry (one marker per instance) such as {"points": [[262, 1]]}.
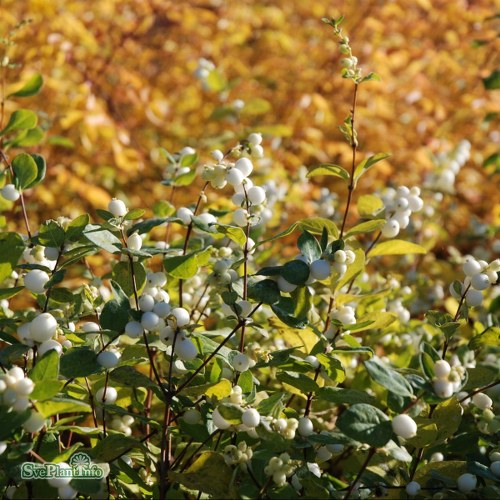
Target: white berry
{"points": [[245, 166], [404, 426], [480, 281], [43, 327], [442, 368], [108, 359], [117, 207], [320, 269], [219, 421], [482, 401], [443, 388], [306, 427], [413, 488], [186, 349], [494, 467], [474, 298], [391, 228], [134, 242], [106, 395], [241, 362], [466, 482], [10, 193], [134, 329], [256, 195], [251, 417], [149, 320], [35, 280]]}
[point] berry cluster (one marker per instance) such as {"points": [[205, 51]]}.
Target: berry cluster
{"points": [[399, 204], [238, 455], [479, 275], [279, 468], [448, 379]]}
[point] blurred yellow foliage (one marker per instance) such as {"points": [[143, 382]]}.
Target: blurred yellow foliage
{"points": [[119, 81]]}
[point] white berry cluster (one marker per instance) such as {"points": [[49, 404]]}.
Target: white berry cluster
{"points": [[123, 424], [344, 314], [321, 269], [238, 455], [448, 379], [399, 204], [479, 275], [249, 198], [15, 389], [396, 306], [203, 70], [176, 320], [40, 332], [448, 166], [250, 417], [287, 427], [279, 468]]}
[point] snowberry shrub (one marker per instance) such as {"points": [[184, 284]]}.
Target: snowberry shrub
{"points": [[204, 363]]}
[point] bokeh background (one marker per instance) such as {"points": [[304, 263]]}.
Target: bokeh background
{"points": [[120, 79]]}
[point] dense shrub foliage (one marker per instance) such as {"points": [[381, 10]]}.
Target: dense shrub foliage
{"points": [[205, 358]]}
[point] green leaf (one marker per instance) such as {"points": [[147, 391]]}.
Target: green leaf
{"points": [[371, 77], [245, 381], [388, 378], [331, 170], [186, 266], [122, 275], [46, 368], [21, 119], [339, 395], [25, 170], [41, 170], [272, 404], [27, 138], [396, 247], [128, 376], [366, 424], [103, 238], [332, 366], [114, 316], [309, 246], [209, 474], [231, 412], [365, 227], [302, 299], [315, 225], [30, 88], [185, 179], [112, 446], [188, 160], [265, 291], [284, 309], [447, 416], [235, 234], [135, 213], [47, 390], [79, 362], [299, 381], [11, 250], [11, 420], [76, 227], [59, 405], [369, 205], [295, 272], [7, 293], [367, 163], [492, 82], [490, 337], [51, 234], [427, 433]]}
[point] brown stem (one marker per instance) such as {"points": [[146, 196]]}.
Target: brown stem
{"points": [[457, 315], [310, 396], [360, 473], [354, 146], [481, 389]]}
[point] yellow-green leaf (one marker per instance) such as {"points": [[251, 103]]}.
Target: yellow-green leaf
{"points": [[31, 87], [396, 247], [369, 205], [365, 227], [331, 170]]}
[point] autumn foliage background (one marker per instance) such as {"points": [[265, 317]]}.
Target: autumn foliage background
{"points": [[119, 81]]}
